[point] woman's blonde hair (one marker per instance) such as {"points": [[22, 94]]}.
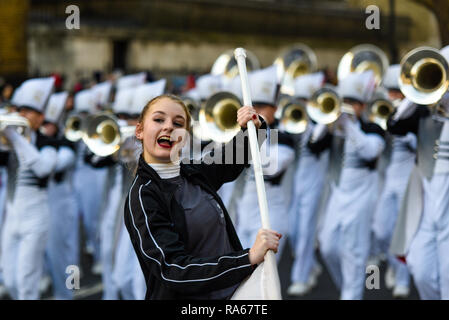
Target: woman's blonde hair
{"points": [[173, 98]]}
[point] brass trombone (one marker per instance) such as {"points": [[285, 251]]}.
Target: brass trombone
{"points": [[424, 77]]}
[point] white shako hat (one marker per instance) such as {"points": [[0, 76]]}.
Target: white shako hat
{"points": [[208, 85], [445, 53], [131, 80], [101, 93], [233, 85], [33, 93], [84, 102], [55, 106], [307, 84], [192, 94], [380, 93], [145, 92], [358, 86], [391, 77], [123, 101], [263, 85]]}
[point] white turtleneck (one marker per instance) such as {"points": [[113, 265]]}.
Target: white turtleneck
{"points": [[167, 170]]}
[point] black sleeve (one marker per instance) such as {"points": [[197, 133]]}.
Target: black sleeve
{"points": [[371, 127], [238, 147], [403, 126], [320, 145], [98, 161]]}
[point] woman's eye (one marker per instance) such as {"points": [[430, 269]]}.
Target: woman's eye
{"points": [[159, 120], [177, 124]]}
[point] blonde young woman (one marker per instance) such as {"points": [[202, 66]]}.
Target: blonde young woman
{"points": [[182, 234]]}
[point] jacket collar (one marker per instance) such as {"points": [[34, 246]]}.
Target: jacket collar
{"points": [[148, 173]]}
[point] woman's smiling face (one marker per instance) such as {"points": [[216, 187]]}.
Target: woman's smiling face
{"points": [[163, 124]]}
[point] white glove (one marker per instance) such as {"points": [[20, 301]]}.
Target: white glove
{"points": [[318, 132], [405, 110]]}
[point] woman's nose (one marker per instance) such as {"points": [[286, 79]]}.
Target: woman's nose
{"points": [[168, 125]]}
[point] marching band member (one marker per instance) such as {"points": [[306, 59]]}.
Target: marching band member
{"points": [[28, 221], [275, 158], [184, 239], [427, 255], [63, 242], [101, 94], [87, 194], [345, 235], [401, 163], [114, 180], [127, 274], [309, 181]]}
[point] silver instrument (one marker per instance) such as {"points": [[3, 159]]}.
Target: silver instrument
{"points": [[292, 63], [424, 76], [104, 134], [362, 58], [218, 117], [19, 123]]}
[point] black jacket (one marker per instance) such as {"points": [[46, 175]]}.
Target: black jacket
{"points": [[157, 227]]}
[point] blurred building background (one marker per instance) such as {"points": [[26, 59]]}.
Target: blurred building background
{"points": [[179, 37]]}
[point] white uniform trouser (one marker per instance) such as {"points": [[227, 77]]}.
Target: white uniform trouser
{"points": [[248, 215], [386, 215], [345, 236], [428, 256], [89, 188], [108, 230], [63, 244], [127, 274], [309, 184], [24, 242]]}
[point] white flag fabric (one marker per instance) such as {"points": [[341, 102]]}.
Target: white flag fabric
{"points": [[263, 284]]}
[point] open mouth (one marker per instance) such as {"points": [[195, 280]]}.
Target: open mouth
{"points": [[165, 142]]}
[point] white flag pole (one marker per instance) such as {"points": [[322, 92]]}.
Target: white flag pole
{"points": [[272, 288]]}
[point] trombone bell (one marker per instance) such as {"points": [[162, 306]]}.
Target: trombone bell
{"points": [[325, 106], [73, 128], [380, 110], [102, 134], [424, 76], [294, 118], [218, 117], [227, 65]]}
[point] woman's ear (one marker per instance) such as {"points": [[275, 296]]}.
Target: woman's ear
{"points": [[139, 131]]}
